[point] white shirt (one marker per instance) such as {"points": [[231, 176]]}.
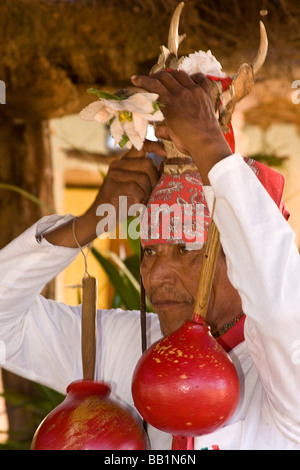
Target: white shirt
{"points": [[42, 337]]}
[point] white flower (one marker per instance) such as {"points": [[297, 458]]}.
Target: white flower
{"points": [[202, 62], [128, 118]]}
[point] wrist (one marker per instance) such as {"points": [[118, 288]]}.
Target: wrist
{"points": [[208, 153], [85, 227], [63, 235]]}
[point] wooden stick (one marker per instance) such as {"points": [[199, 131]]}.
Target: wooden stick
{"points": [[207, 273], [88, 326]]}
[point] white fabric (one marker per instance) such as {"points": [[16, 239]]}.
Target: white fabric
{"points": [[42, 337]]}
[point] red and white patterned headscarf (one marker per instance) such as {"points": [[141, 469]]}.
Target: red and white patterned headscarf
{"points": [[177, 211]]}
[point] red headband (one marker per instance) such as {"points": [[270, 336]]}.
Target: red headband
{"points": [[177, 211]]}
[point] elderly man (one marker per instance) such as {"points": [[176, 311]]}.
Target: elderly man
{"points": [[254, 304]]}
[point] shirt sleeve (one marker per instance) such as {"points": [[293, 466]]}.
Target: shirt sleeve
{"points": [[39, 337], [264, 266]]}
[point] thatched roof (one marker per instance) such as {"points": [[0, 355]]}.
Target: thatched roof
{"points": [[52, 50]]}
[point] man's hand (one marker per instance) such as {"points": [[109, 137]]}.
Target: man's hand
{"points": [[133, 176], [190, 120]]}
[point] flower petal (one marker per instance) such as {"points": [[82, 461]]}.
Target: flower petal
{"points": [[134, 134], [88, 113], [104, 115], [114, 105], [157, 116], [141, 102], [117, 130], [140, 125], [96, 111], [128, 145], [203, 62]]}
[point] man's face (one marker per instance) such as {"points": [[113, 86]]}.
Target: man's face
{"points": [[170, 276]]}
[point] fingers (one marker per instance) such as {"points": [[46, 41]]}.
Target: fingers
{"points": [[204, 82], [149, 146], [161, 132], [155, 147], [150, 83], [172, 81], [136, 185], [181, 78], [133, 167]]}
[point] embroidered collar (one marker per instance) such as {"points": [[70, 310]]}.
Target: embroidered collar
{"points": [[228, 325], [231, 334]]}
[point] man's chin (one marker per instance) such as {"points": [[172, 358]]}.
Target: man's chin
{"points": [[171, 319]]}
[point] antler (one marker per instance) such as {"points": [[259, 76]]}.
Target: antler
{"points": [[262, 51], [168, 57], [243, 81], [174, 40]]}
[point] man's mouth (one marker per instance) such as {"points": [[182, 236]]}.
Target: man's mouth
{"points": [[163, 304]]}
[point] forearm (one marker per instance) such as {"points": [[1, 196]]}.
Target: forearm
{"points": [[81, 229], [207, 154], [133, 177]]}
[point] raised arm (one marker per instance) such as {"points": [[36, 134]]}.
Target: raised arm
{"points": [[133, 176], [42, 337], [263, 261]]}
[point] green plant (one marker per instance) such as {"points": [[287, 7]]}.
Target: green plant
{"points": [[39, 407], [123, 275], [27, 195], [270, 159]]}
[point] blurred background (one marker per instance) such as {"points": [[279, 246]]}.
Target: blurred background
{"points": [[51, 52]]}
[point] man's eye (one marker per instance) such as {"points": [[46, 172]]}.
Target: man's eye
{"points": [[183, 250], [149, 251]]}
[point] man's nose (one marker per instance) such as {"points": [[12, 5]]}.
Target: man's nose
{"points": [[162, 271]]}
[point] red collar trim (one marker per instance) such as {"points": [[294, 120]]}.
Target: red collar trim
{"points": [[233, 336]]}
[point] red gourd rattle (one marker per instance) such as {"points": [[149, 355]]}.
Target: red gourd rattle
{"points": [[186, 384], [88, 419]]}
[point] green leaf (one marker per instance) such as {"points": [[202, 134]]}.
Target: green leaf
{"points": [[135, 245], [29, 196], [104, 94], [123, 281], [123, 141], [269, 159], [124, 277], [132, 263], [156, 106]]}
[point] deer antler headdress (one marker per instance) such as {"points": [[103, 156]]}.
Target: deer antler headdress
{"points": [[228, 90], [237, 87], [129, 116]]}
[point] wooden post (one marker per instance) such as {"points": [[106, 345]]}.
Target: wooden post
{"points": [[88, 326], [25, 161], [207, 273]]}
